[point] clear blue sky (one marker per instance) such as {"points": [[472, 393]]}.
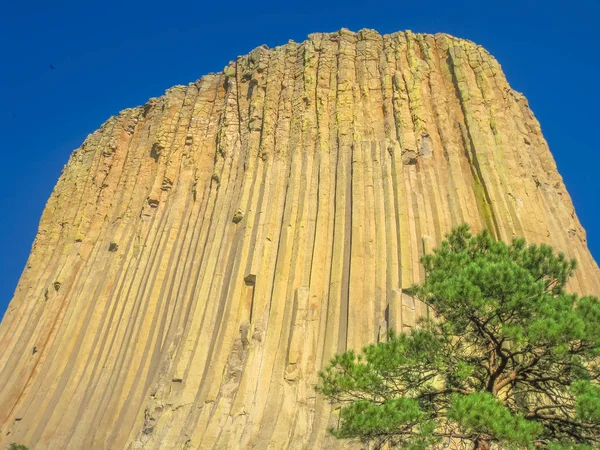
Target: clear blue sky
{"points": [[113, 55]]}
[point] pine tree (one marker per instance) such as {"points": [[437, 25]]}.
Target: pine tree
{"points": [[15, 446], [510, 360]]}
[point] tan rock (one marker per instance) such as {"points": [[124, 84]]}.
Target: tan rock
{"points": [[203, 256]]}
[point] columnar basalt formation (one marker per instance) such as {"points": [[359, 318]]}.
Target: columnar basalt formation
{"points": [[203, 256]]}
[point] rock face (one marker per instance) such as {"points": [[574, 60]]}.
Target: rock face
{"points": [[203, 256]]}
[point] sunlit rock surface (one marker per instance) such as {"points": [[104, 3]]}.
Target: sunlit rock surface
{"points": [[203, 256]]}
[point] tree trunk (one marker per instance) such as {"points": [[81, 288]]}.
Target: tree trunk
{"points": [[481, 444]]}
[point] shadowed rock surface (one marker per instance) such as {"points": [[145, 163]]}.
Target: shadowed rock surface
{"points": [[203, 256]]}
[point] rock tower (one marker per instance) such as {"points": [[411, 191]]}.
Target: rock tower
{"points": [[203, 256]]}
